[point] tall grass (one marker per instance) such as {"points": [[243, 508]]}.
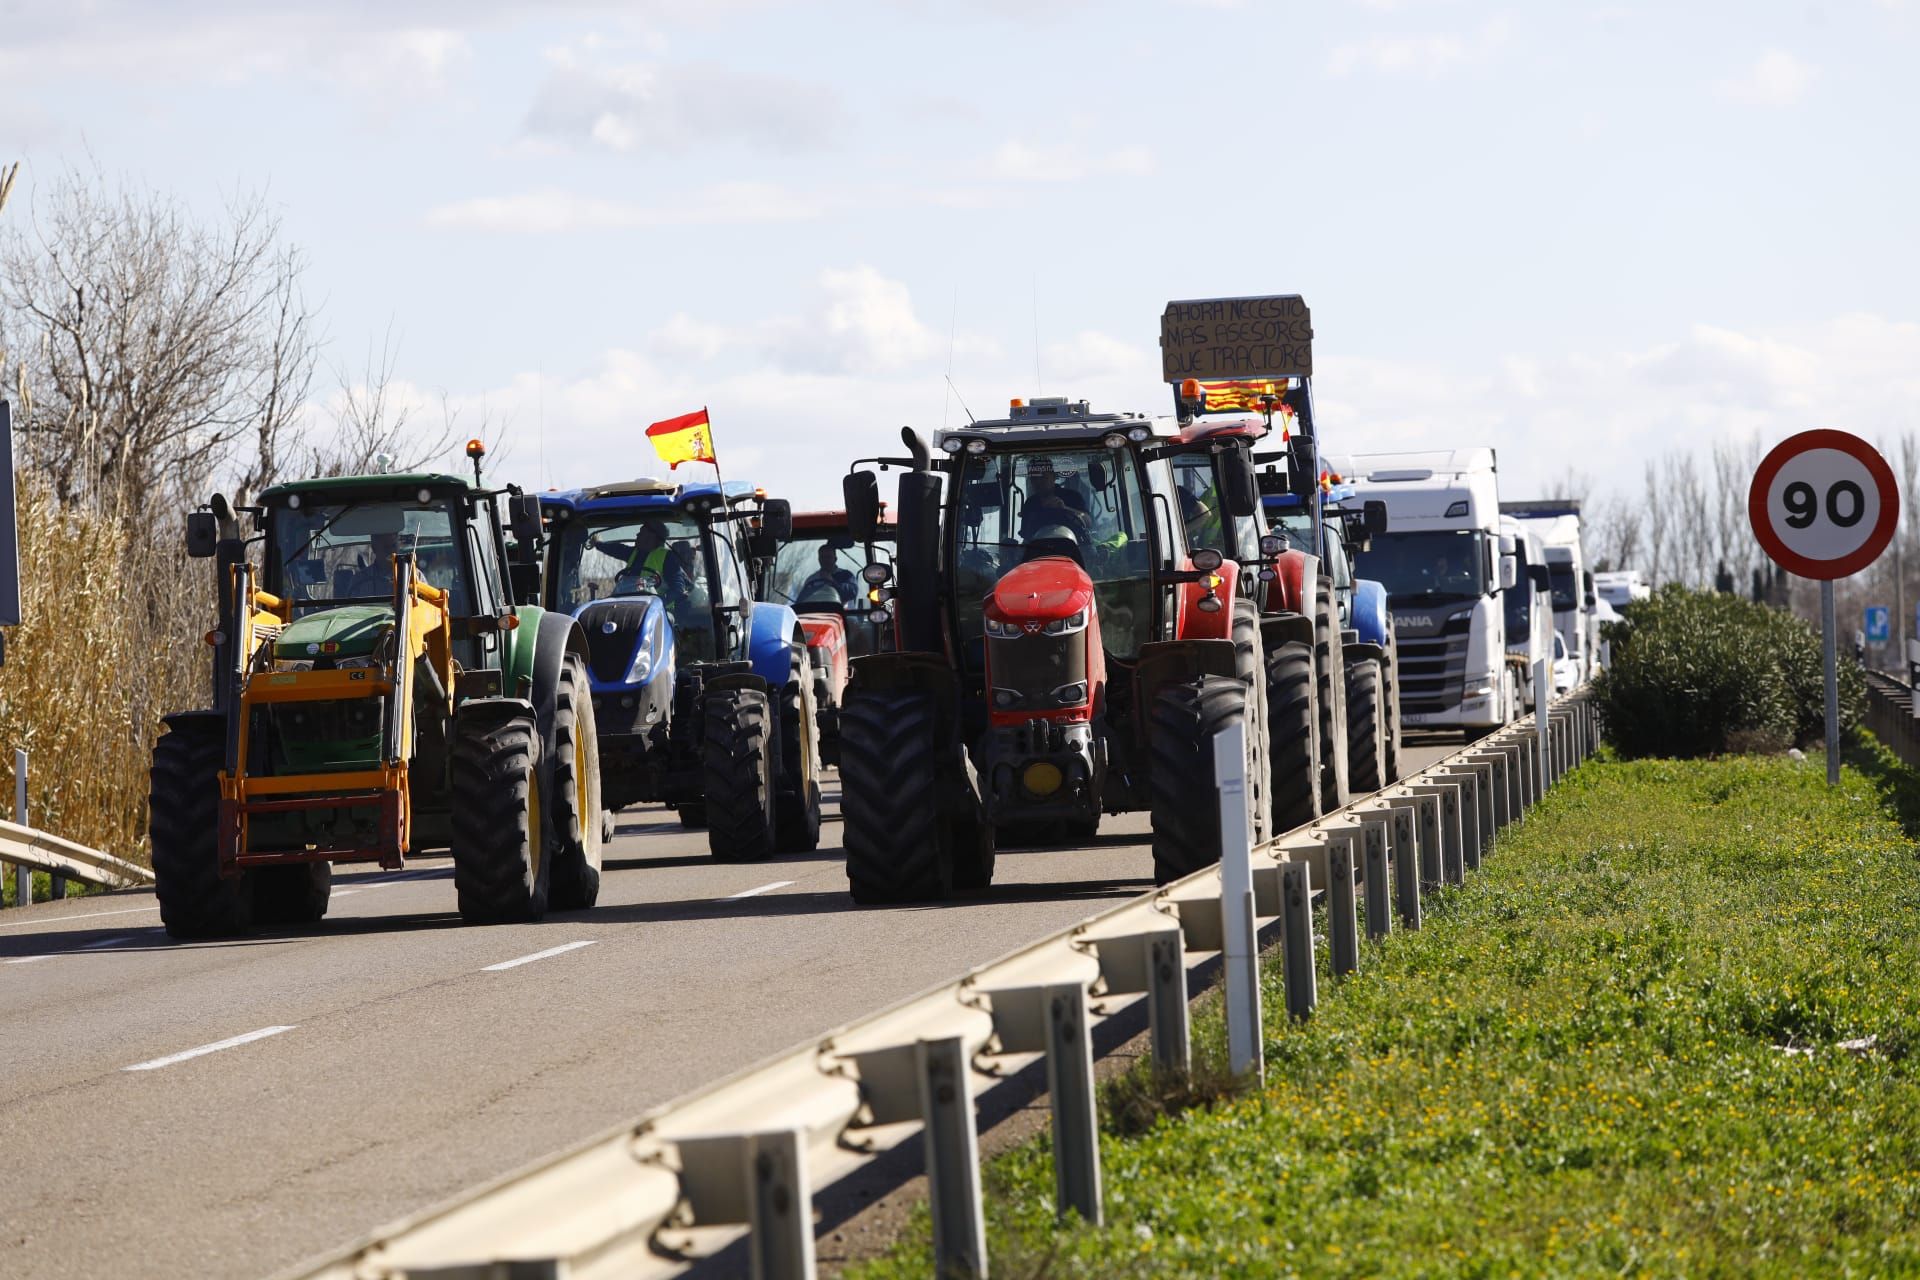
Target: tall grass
{"points": [[109, 641]]}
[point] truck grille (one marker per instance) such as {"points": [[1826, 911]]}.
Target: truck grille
{"points": [[1433, 667]]}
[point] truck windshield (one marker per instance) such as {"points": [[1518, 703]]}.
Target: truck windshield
{"points": [[1565, 594], [330, 553], [1084, 504], [1437, 564]]}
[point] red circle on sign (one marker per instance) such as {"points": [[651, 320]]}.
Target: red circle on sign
{"points": [[1862, 452]]}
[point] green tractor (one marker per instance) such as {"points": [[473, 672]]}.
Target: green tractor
{"points": [[379, 692]]}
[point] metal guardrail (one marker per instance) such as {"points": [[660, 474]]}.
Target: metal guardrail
{"points": [[42, 851], [1890, 715], [654, 1196]]}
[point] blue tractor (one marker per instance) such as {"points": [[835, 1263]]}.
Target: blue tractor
{"points": [[703, 697], [1371, 657]]}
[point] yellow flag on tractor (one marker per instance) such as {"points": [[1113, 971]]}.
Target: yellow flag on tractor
{"points": [[687, 438]]}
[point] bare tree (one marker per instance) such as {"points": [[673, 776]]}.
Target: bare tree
{"points": [[1569, 486], [1659, 527], [291, 352], [375, 425], [146, 343], [1612, 532]]}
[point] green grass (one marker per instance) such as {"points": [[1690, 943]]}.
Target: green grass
{"points": [[1614, 1052]]}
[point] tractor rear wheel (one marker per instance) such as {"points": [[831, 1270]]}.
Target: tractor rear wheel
{"points": [[502, 863], [1249, 663], [1186, 806], [1390, 677], [1293, 736], [296, 893], [899, 846], [1366, 727], [799, 803], [973, 850], [738, 775], [1330, 665], [196, 901], [577, 833]]}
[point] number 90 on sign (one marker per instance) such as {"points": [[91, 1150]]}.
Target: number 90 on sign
{"points": [[1823, 504]]}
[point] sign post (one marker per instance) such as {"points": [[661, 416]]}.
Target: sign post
{"points": [[1823, 504]]}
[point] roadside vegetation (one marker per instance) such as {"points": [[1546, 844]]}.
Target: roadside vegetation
{"points": [[1670, 1029], [1699, 673]]}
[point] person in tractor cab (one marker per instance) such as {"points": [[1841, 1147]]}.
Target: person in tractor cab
{"points": [[647, 564], [831, 582], [375, 577], [1049, 502]]}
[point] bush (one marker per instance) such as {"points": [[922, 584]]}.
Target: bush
{"points": [[1698, 674]]}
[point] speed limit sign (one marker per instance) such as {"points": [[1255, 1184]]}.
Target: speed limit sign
{"points": [[1823, 504]]}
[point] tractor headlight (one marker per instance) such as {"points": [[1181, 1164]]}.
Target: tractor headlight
{"points": [[953, 444], [291, 664], [642, 667], [1004, 698], [354, 664], [1071, 695], [1002, 630], [1068, 625]]}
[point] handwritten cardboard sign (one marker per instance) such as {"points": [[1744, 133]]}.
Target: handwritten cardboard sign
{"points": [[1237, 338]]}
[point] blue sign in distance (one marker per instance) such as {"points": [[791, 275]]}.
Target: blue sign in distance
{"points": [[1879, 624]]}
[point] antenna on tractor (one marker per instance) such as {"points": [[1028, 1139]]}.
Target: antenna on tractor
{"points": [[962, 399]]}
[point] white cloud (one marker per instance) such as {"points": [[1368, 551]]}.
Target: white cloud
{"points": [[1021, 161], [1776, 79], [553, 211], [1427, 55], [659, 107]]}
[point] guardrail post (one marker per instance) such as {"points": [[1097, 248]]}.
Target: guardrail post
{"points": [[759, 1179], [1379, 890], [1343, 927], [1451, 831], [1406, 866], [22, 873], [56, 883], [1241, 954], [1167, 1023], [953, 1158], [1076, 1125], [1542, 714], [1296, 936]]}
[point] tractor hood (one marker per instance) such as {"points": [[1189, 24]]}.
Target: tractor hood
{"points": [[1043, 590], [353, 630]]}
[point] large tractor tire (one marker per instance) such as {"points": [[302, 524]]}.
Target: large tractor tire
{"points": [[797, 812], [899, 846], [1366, 727], [577, 830], [1186, 795], [196, 901], [973, 851], [738, 779], [296, 893], [502, 863], [1390, 678], [1330, 672], [1249, 661], [692, 815], [1293, 736]]}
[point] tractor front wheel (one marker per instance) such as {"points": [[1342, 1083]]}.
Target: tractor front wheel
{"points": [[196, 901], [1186, 794], [577, 827], [899, 846], [502, 868], [799, 803], [738, 777], [1366, 727], [296, 893], [1330, 663], [1293, 736]]}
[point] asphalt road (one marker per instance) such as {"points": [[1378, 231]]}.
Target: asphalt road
{"points": [[228, 1109]]}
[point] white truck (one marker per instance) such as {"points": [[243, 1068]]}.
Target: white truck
{"points": [[1621, 587], [1528, 604], [1445, 564], [1574, 602]]}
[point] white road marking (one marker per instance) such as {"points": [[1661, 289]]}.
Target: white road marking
{"points": [[751, 893], [85, 915], [229, 1043], [28, 959], [539, 955], [119, 941], [342, 893]]}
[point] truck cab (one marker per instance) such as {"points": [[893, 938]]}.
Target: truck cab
{"points": [[1529, 609]]}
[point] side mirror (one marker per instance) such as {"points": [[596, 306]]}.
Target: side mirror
{"points": [[203, 534], [776, 520], [1374, 513], [1271, 545], [1509, 572], [861, 489], [1239, 491], [523, 517], [1303, 477], [1537, 575]]}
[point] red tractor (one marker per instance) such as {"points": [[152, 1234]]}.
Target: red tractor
{"points": [[1077, 598], [817, 571]]}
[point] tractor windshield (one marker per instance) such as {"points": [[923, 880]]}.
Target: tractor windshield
{"points": [[823, 570], [327, 554], [1084, 504], [632, 554]]}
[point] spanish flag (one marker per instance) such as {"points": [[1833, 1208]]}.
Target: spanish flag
{"points": [[1224, 397], [687, 438]]}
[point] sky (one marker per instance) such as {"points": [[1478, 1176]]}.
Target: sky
{"points": [[1583, 234]]}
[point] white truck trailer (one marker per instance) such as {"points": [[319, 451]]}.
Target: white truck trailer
{"points": [[1558, 524], [1528, 604], [1445, 565]]}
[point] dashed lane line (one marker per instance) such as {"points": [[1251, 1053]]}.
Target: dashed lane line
{"points": [[85, 915], [232, 1042], [539, 955], [756, 892]]}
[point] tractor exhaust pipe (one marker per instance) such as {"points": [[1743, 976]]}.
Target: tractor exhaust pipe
{"points": [[917, 446]]}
